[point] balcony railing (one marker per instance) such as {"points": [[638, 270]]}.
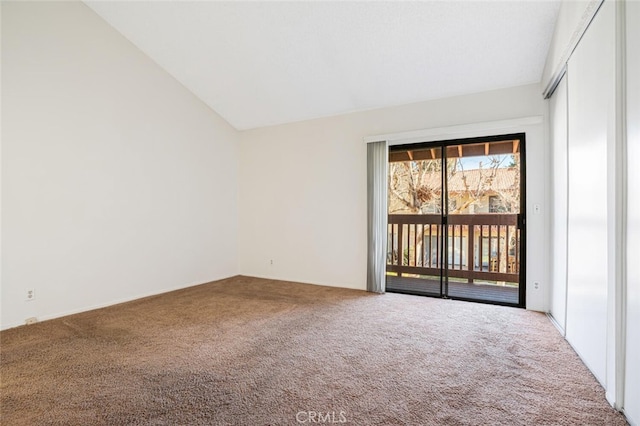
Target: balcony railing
{"points": [[483, 247]]}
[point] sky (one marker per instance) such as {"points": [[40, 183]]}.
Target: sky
{"points": [[470, 163]]}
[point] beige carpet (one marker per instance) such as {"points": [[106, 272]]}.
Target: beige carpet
{"points": [[247, 351]]}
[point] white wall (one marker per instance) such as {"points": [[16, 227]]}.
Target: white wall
{"points": [[559, 203], [116, 181], [303, 187], [632, 371]]}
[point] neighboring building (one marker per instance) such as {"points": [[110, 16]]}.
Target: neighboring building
{"points": [[486, 190]]}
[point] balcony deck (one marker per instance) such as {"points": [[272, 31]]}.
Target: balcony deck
{"points": [[479, 249], [471, 291]]}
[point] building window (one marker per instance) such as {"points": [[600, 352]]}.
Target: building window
{"points": [[498, 205]]}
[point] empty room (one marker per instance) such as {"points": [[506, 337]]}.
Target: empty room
{"points": [[283, 212]]}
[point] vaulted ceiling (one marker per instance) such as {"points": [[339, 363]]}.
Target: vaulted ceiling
{"points": [[264, 63]]}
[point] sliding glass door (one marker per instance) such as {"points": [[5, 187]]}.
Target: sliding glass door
{"points": [[455, 223]]}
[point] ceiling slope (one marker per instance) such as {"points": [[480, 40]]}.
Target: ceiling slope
{"points": [[265, 63]]}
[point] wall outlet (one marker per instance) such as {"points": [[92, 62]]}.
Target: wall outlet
{"points": [[271, 262], [536, 285], [30, 294], [31, 320]]}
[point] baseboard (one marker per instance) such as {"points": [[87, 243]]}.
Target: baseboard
{"points": [[111, 303], [299, 281]]}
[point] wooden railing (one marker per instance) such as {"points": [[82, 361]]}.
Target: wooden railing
{"points": [[480, 246]]}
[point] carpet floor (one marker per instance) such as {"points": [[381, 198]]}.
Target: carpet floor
{"points": [[247, 351]]}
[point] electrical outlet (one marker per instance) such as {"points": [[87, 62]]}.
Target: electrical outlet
{"points": [[31, 320], [30, 295], [536, 285], [271, 262]]}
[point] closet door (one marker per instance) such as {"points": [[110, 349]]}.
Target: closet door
{"points": [[591, 105]]}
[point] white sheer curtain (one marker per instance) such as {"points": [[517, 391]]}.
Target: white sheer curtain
{"points": [[377, 165]]}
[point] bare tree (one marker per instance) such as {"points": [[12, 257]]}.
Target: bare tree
{"points": [[407, 189], [416, 187], [509, 197]]}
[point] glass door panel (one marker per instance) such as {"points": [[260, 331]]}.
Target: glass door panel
{"points": [[415, 246], [483, 200]]}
